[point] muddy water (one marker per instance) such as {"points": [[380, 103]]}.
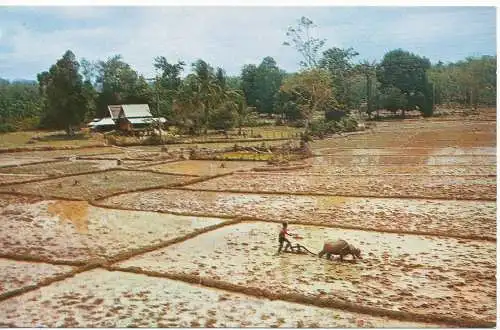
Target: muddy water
{"points": [[201, 167], [448, 151], [112, 299], [444, 217], [459, 170], [243, 254], [470, 187], [91, 186], [59, 168], [75, 231], [17, 274], [374, 160], [19, 178]]}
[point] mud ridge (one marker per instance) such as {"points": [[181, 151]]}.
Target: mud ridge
{"points": [[157, 172], [180, 185], [423, 165], [90, 155], [33, 259], [48, 281], [312, 300], [34, 163], [41, 197], [281, 168], [115, 158], [403, 148], [380, 230], [404, 156], [233, 141], [49, 148], [61, 176], [154, 163], [377, 175], [145, 249], [222, 159], [306, 193], [96, 203]]}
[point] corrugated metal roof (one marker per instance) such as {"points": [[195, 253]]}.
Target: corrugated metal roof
{"points": [[135, 121], [114, 110], [136, 110], [103, 122]]}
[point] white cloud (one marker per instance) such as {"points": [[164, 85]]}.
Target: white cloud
{"points": [[223, 36]]}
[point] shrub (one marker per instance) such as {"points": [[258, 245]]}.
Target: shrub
{"points": [[349, 124], [335, 115]]}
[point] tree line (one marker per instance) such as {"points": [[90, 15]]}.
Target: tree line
{"points": [[330, 80]]}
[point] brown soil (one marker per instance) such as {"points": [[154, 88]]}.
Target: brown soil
{"points": [[114, 299], [202, 167], [418, 197], [401, 273], [58, 231], [18, 274], [470, 218], [60, 168], [91, 186], [446, 187]]}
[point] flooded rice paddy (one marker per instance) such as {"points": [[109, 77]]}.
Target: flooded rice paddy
{"points": [[184, 243]]}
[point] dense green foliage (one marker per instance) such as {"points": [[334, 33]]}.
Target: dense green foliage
{"points": [[470, 82], [404, 82], [20, 105], [72, 92], [63, 94]]}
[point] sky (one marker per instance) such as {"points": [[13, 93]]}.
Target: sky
{"points": [[33, 38]]}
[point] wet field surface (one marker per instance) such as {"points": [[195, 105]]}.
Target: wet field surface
{"points": [[426, 275], [154, 241], [474, 218]]}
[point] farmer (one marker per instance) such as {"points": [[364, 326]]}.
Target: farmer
{"points": [[282, 238]]}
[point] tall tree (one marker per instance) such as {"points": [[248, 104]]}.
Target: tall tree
{"points": [[220, 76], [249, 84], [407, 72], [65, 103], [339, 62], [312, 90], [261, 84], [302, 39], [118, 83], [166, 85]]}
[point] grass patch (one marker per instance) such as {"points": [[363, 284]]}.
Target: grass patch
{"points": [[246, 156], [47, 138]]}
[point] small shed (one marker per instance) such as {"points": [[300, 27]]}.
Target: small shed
{"points": [[102, 124], [132, 116]]}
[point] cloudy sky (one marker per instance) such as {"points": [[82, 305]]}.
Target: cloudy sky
{"points": [[33, 38]]}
